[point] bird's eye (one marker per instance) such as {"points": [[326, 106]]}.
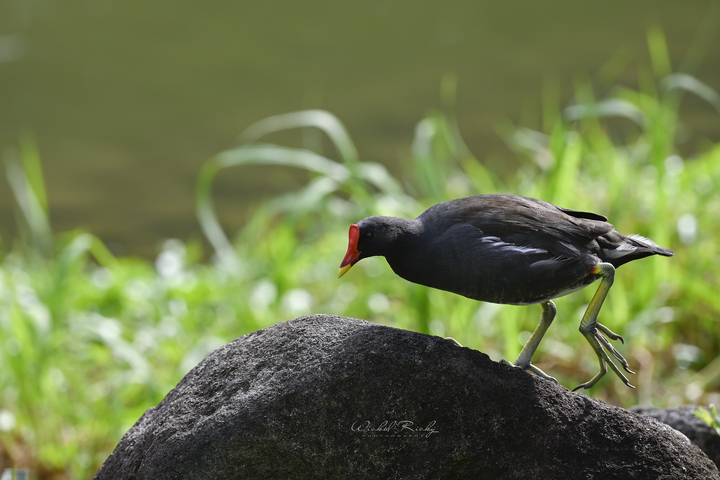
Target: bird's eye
{"points": [[368, 235]]}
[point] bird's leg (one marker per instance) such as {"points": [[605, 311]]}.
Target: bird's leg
{"points": [[523, 360], [596, 333]]}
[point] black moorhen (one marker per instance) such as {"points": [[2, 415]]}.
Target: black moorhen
{"points": [[512, 250]]}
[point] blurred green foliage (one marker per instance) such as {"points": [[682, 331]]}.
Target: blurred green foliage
{"points": [[710, 416], [88, 341]]}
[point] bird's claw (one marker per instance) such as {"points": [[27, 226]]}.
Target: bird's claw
{"points": [[597, 335], [612, 335]]}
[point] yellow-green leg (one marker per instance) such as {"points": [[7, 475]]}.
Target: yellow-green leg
{"points": [[523, 360], [596, 333]]}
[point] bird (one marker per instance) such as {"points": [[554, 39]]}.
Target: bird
{"points": [[509, 249]]}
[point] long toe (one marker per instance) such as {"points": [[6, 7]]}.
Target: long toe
{"points": [[454, 341], [541, 374], [597, 341], [533, 369], [608, 346]]}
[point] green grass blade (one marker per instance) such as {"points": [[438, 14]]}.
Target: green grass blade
{"points": [[682, 81], [255, 155], [659, 52], [321, 119], [31, 204], [33, 171]]}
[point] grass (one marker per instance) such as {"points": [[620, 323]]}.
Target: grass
{"points": [[88, 341], [710, 416]]}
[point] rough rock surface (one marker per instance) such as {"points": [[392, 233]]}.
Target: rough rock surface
{"points": [[684, 420], [333, 397]]}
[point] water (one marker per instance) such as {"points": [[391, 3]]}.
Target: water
{"points": [[128, 98]]}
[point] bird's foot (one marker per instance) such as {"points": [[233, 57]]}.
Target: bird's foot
{"points": [[597, 336], [533, 369]]}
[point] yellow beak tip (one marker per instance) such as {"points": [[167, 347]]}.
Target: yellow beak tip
{"points": [[343, 270]]}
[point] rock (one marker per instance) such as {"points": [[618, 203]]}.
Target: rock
{"points": [[684, 420], [333, 397]]}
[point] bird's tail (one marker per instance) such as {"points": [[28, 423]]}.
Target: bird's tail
{"points": [[619, 249]]}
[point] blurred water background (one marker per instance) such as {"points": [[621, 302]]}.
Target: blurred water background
{"points": [[127, 99]]}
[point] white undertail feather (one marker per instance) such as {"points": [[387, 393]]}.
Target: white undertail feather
{"points": [[641, 239], [621, 251], [626, 248]]}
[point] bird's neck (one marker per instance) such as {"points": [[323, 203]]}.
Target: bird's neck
{"points": [[407, 239], [406, 232]]}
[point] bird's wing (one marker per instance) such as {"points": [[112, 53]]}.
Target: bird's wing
{"points": [[528, 222], [579, 214], [509, 270]]}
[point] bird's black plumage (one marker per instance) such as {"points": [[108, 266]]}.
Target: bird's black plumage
{"points": [[498, 248]]}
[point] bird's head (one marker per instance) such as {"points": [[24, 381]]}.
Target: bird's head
{"points": [[373, 236]]}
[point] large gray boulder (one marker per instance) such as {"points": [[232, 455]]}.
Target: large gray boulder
{"points": [[333, 397], [684, 420]]}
